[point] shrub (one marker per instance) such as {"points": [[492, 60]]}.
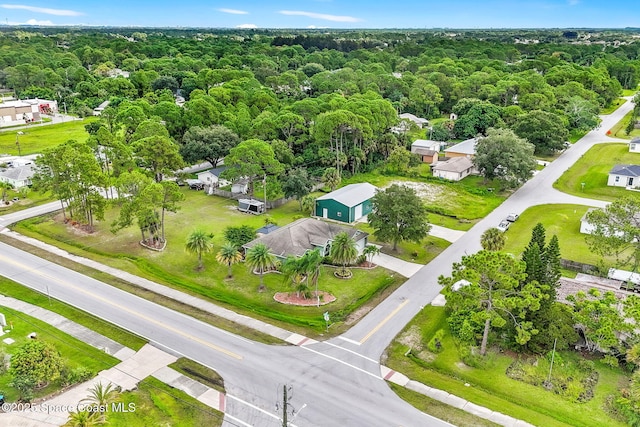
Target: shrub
{"points": [[435, 344], [74, 376]]}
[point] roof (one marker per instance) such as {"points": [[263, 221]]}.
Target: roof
{"points": [[424, 151], [626, 170], [584, 217], [425, 143], [269, 228], [352, 195], [251, 202], [19, 173], [456, 164], [214, 171], [465, 147], [303, 235], [413, 118]]}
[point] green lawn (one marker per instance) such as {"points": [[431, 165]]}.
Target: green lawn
{"points": [[613, 107], [467, 200], [593, 168], [174, 267], [12, 289], [28, 199], [575, 135], [490, 387], [74, 352], [157, 404], [35, 139], [629, 92], [618, 130]]}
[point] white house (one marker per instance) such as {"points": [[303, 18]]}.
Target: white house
{"points": [[19, 176], [624, 176], [454, 169], [634, 145], [211, 178]]}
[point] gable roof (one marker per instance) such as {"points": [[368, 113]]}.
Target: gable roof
{"points": [[424, 151], [19, 173], [303, 235], [465, 147], [352, 195], [425, 143], [214, 171], [626, 170], [456, 164], [413, 118]]}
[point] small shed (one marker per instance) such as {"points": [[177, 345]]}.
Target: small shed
{"points": [[347, 204], [240, 186], [211, 177], [255, 207], [427, 150]]}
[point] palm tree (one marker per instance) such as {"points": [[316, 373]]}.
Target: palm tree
{"points": [[5, 186], [199, 242], [294, 271], [308, 204], [259, 258], [370, 251], [312, 261], [102, 396], [229, 255], [492, 240], [343, 251], [85, 419]]}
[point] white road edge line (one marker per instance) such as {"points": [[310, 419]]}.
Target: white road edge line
{"points": [[344, 363], [349, 340], [352, 352], [257, 408]]}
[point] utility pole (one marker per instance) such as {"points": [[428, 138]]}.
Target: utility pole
{"points": [[264, 187], [285, 403], [18, 144]]}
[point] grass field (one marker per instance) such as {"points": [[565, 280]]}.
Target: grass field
{"points": [[619, 129], [174, 267], [561, 220], [593, 168], [157, 404], [74, 352], [490, 387], [629, 92], [34, 139], [613, 107]]}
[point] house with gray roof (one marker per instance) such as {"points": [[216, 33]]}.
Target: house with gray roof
{"points": [[454, 169], [307, 234], [19, 176], [624, 176], [347, 204], [419, 121]]}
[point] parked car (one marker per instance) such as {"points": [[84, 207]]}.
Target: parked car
{"points": [[513, 217], [504, 225], [195, 184]]}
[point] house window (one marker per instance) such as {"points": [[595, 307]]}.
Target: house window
{"points": [[633, 147], [339, 214], [617, 179]]}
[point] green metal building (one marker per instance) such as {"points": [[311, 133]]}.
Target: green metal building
{"points": [[347, 204]]}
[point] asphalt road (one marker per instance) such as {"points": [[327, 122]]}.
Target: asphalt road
{"points": [[334, 383]]}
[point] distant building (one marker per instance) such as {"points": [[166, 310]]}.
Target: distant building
{"points": [[25, 111], [427, 150], [634, 145], [465, 148], [454, 169], [19, 176], [419, 121]]}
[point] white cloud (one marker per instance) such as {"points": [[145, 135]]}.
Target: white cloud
{"points": [[32, 22], [315, 27], [335, 18], [247, 26], [46, 11], [233, 11]]}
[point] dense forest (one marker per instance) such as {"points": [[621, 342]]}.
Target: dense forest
{"points": [[321, 99]]}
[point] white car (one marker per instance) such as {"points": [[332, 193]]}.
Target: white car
{"points": [[513, 217], [504, 225]]}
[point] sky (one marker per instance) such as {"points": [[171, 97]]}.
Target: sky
{"points": [[327, 13]]}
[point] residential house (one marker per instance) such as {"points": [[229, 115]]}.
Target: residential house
{"points": [[211, 178], [634, 145], [419, 121], [347, 204], [624, 176], [19, 176], [454, 169], [465, 148], [307, 234], [427, 150]]}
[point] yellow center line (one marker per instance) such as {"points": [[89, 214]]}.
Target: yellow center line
{"points": [[123, 308], [385, 320]]}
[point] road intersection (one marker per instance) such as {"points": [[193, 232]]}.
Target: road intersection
{"points": [[338, 381]]}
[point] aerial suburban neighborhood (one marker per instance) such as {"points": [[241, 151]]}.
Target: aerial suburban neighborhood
{"points": [[208, 225]]}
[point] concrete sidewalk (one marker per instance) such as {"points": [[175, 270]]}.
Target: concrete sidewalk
{"points": [[407, 269], [135, 366], [447, 234]]}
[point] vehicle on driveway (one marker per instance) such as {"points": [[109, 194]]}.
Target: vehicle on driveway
{"points": [[504, 225], [195, 184], [513, 217]]}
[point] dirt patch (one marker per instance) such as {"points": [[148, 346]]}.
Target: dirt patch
{"points": [[292, 298], [430, 193], [412, 338], [357, 315]]}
